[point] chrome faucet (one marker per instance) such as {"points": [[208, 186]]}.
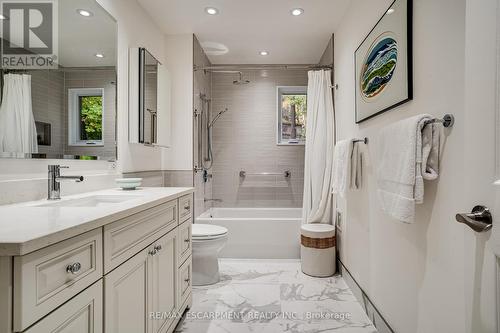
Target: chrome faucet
{"points": [[54, 179]]}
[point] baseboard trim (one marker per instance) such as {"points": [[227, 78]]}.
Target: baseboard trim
{"points": [[378, 321]]}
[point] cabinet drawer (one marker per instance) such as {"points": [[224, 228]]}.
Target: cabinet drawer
{"points": [[82, 314], [184, 289], [126, 237], [185, 207], [49, 277], [184, 232]]}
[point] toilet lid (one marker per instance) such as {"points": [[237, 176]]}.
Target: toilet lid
{"points": [[207, 230]]}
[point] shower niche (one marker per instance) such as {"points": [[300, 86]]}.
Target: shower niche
{"points": [[149, 99]]}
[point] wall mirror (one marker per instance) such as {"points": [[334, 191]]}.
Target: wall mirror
{"points": [[149, 93], [69, 110]]}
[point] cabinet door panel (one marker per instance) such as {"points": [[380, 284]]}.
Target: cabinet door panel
{"points": [[184, 248], [163, 266], [184, 281], [82, 314], [126, 296]]}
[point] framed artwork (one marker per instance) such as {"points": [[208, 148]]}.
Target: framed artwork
{"points": [[383, 63]]}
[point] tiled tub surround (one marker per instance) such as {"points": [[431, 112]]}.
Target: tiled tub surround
{"points": [[274, 296], [244, 138]]}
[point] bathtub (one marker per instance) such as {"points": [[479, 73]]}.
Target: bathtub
{"points": [[258, 233]]}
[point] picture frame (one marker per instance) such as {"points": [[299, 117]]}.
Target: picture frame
{"points": [[384, 63]]}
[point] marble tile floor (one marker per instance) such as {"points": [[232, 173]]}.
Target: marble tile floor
{"points": [[272, 296]]}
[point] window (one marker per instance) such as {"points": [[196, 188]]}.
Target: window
{"points": [[292, 115], [85, 116]]}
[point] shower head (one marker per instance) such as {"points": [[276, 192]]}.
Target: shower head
{"points": [[240, 81]]}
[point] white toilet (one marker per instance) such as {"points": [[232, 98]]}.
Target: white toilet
{"points": [[208, 240]]}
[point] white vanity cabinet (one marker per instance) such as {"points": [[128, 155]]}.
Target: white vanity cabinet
{"points": [[132, 275]]}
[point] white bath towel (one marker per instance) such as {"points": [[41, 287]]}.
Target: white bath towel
{"points": [[408, 153], [341, 156]]}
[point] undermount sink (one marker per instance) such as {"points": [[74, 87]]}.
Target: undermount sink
{"points": [[90, 201]]}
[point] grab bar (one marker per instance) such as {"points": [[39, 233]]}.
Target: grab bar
{"points": [[286, 174]]}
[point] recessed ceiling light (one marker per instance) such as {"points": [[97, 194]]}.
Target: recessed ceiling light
{"points": [[390, 11], [99, 55], [263, 53], [84, 12], [297, 11], [212, 11]]}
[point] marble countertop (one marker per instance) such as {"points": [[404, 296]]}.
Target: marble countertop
{"points": [[26, 227]]}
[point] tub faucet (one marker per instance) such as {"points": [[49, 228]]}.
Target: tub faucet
{"points": [[54, 179]]}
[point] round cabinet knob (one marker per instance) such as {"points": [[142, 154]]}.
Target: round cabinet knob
{"points": [[158, 248], [186, 207], [73, 268], [186, 240]]}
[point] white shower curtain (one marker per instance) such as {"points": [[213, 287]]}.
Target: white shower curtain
{"points": [[317, 201], [17, 124]]}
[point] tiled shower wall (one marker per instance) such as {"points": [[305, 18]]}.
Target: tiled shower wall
{"points": [[244, 138]]}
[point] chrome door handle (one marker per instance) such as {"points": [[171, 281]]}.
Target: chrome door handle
{"points": [[479, 219]]}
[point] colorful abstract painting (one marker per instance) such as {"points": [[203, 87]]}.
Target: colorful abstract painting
{"points": [[379, 66], [383, 63]]}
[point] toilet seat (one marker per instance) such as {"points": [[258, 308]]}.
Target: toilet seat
{"points": [[207, 232]]}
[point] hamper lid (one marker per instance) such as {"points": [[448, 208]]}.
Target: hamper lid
{"points": [[317, 230]]}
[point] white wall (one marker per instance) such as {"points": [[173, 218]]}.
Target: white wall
{"points": [[179, 61], [414, 273], [135, 29]]}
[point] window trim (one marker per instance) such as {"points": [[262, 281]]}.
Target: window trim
{"points": [[74, 125], [280, 91]]}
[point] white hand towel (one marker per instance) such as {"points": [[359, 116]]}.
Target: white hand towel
{"points": [[408, 153], [341, 158], [356, 166]]}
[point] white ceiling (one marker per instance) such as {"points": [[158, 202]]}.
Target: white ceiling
{"points": [[246, 27], [80, 38]]}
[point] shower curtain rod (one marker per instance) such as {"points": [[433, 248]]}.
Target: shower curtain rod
{"points": [[262, 67]]}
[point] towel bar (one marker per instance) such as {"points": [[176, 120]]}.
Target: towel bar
{"points": [[448, 120], [365, 141]]}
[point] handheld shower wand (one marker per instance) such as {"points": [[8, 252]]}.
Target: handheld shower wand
{"points": [[216, 118]]}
